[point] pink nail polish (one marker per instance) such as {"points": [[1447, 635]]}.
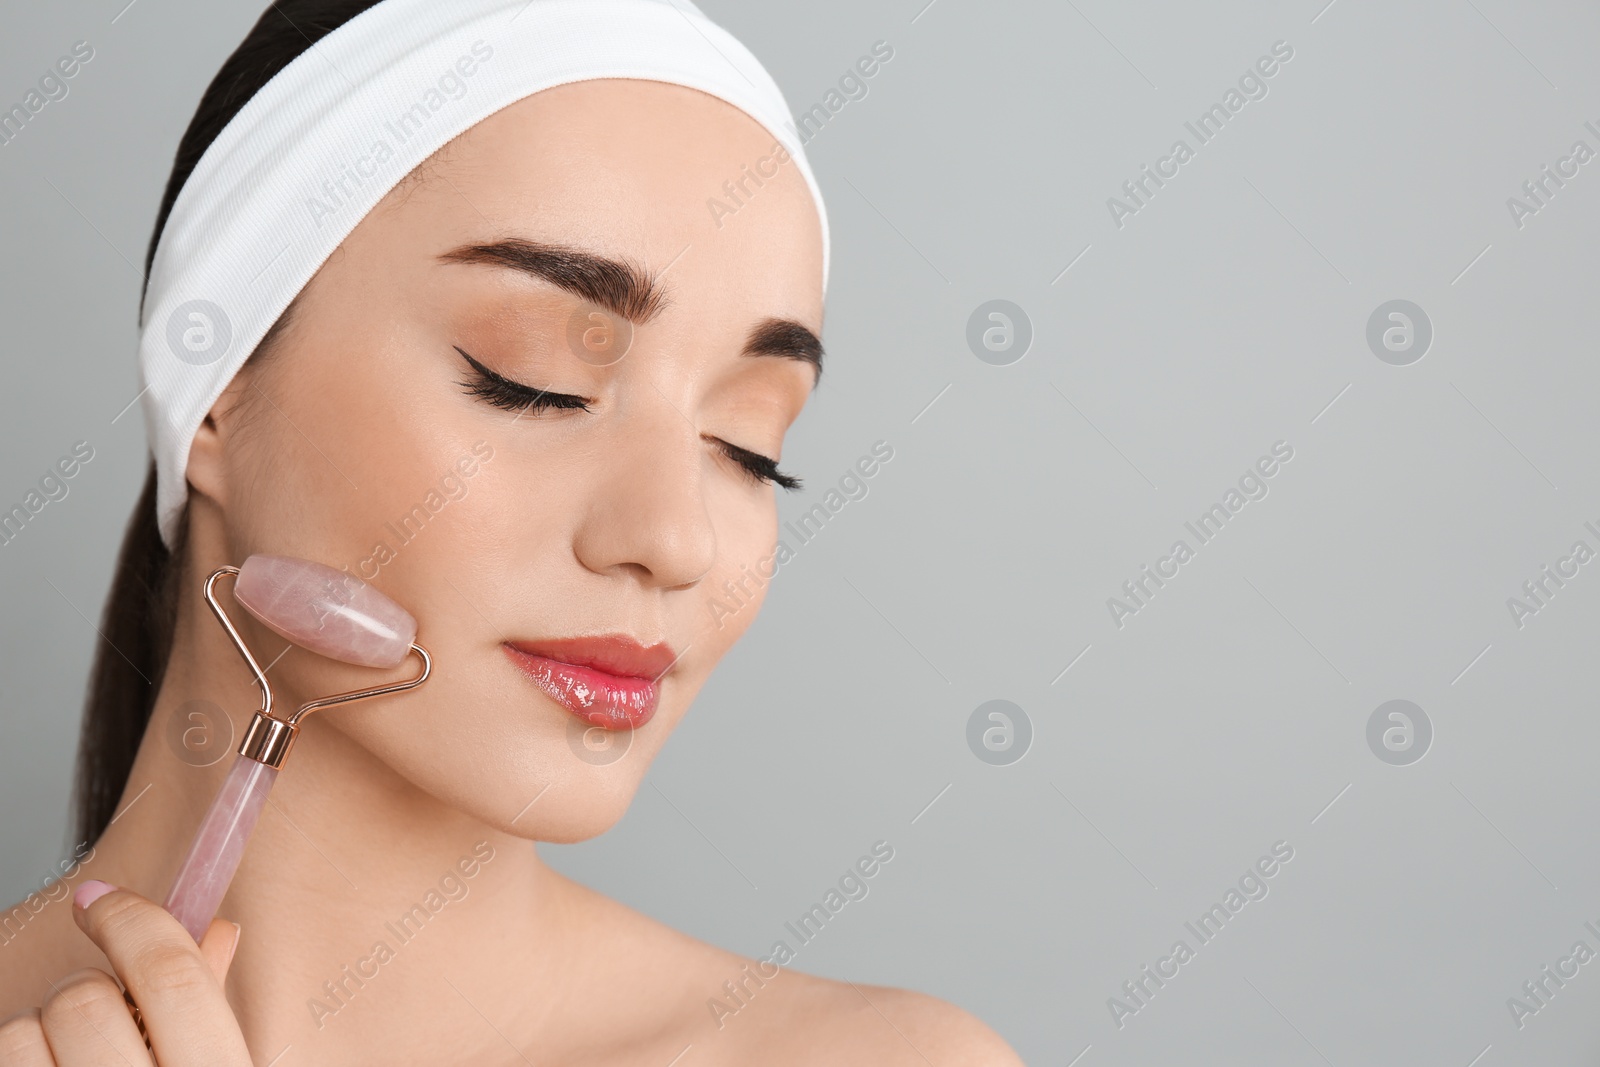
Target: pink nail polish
{"points": [[91, 891]]}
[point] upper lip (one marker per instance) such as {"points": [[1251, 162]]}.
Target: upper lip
{"points": [[616, 654]]}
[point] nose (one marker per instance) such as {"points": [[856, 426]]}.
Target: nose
{"points": [[647, 509]]}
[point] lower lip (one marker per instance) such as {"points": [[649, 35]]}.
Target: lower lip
{"points": [[610, 701]]}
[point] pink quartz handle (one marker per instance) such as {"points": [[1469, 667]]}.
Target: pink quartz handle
{"points": [[205, 875]]}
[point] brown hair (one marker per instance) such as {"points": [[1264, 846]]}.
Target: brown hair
{"points": [[141, 609]]}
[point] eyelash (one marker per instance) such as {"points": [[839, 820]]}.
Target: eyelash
{"points": [[504, 393], [758, 467], [508, 395]]}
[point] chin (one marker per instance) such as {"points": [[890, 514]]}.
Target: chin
{"points": [[517, 762], [578, 811]]}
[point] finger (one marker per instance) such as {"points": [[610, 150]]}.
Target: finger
{"points": [[86, 1020], [217, 947], [188, 1018], [22, 1041]]}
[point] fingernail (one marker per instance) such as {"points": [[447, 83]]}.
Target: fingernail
{"points": [[90, 891], [237, 930]]}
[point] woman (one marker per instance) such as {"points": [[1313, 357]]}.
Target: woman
{"points": [[536, 394]]}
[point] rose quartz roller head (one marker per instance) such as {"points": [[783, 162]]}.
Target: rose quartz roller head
{"points": [[318, 608]]}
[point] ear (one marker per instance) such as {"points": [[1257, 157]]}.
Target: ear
{"points": [[208, 453]]}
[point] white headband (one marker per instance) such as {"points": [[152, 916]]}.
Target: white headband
{"points": [[333, 132]]}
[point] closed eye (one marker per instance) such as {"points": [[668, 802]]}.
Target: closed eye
{"points": [[759, 467], [511, 395]]}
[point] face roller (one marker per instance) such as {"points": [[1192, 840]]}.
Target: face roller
{"points": [[320, 609]]}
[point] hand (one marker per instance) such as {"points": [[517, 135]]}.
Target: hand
{"points": [[177, 984]]}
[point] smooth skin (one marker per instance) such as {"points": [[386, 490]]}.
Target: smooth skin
{"points": [[625, 518]]}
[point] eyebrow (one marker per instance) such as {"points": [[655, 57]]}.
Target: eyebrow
{"points": [[786, 339], [627, 290]]}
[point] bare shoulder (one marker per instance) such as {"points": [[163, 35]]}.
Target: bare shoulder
{"points": [[733, 1009], [846, 1022], [784, 1018]]}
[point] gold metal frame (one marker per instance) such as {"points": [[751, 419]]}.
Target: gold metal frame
{"points": [[269, 738]]}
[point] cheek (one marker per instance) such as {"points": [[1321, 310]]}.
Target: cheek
{"points": [[349, 449], [347, 460], [726, 602]]}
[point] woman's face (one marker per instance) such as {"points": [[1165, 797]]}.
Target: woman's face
{"points": [[422, 425]]}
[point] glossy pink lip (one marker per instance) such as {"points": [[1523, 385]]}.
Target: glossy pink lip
{"points": [[608, 681]]}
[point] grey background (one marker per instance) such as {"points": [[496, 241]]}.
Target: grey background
{"points": [[1231, 712]]}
